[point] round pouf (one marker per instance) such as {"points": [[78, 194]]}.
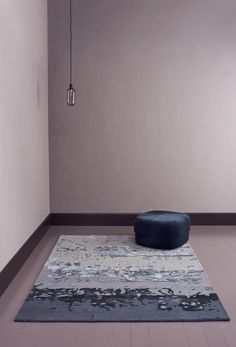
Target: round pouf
{"points": [[162, 229]]}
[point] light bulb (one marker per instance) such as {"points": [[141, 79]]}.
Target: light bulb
{"points": [[70, 95]]}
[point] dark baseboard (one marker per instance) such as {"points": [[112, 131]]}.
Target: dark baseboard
{"points": [[126, 219], [111, 219], [213, 218], [15, 264]]}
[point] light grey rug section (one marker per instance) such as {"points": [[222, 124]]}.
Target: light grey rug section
{"points": [[110, 278]]}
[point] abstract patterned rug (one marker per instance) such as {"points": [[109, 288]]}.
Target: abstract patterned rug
{"points": [[110, 278]]}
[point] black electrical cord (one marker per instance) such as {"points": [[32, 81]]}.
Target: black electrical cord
{"points": [[70, 95]]}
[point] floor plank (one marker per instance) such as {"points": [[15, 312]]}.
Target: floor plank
{"points": [[175, 335], [214, 334], [102, 335], [195, 335], [56, 335], [121, 335], [139, 334], [29, 335], [85, 334], [157, 333], [9, 334]]}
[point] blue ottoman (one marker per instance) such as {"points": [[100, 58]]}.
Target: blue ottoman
{"points": [[162, 229]]}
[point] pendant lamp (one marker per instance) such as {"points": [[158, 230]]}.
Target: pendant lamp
{"points": [[71, 91]]}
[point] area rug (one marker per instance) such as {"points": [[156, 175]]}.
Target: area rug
{"points": [[110, 278]]}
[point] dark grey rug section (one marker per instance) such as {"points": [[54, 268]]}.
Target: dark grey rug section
{"points": [[111, 279]]}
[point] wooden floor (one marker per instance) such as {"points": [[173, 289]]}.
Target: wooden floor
{"points": [[216, 249]]}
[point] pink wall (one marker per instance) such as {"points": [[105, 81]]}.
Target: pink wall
{"points": [[154, 124], [24, 162]]}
